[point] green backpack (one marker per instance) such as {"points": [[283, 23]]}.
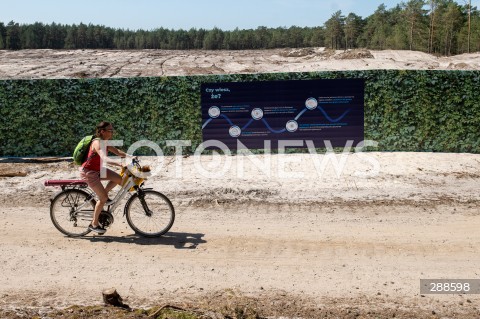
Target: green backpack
{"points": [[81, 151]]}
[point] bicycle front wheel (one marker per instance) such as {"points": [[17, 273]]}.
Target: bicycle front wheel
{"points": [[150, 213], [71, 212]]}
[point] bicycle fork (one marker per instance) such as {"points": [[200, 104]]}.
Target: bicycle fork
{"points": [[143, 202]]}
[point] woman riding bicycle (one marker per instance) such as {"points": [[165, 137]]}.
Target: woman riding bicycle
{"points": [[90, 170]]}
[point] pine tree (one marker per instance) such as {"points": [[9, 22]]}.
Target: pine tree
{"points": [[13, 36], [334, 30], [352, 28], [414, 14], [451, 24]]}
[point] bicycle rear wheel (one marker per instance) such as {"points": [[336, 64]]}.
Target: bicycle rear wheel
{"points": [[71, 212], [150, 213]]}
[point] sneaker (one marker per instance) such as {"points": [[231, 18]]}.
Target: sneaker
{"points": [[98, 229]]}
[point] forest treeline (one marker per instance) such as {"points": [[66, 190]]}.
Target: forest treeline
{"points": [[441, 27]]}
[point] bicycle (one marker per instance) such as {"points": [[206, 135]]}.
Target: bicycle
{"points": [[149, 213]]}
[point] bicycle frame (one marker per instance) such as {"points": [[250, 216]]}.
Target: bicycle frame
{"points": [[124, 190]]}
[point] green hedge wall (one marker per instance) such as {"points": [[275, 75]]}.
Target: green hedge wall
{"points": [[404, 110]]}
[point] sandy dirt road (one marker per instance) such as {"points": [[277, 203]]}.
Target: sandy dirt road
{"points": [[369, 246]]}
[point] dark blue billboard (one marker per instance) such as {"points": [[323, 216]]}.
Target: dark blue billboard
{"points": [[308, 110]]}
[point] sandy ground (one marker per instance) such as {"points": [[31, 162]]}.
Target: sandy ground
{"points": [[43, 64], [331, 236], [296, 230]]}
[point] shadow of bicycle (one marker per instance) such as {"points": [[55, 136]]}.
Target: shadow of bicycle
{"points": [[177, 240]]}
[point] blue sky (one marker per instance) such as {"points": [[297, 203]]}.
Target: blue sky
{"points": [[185, 14]]}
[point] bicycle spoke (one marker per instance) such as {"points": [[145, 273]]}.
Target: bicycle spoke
{"points": [[152, 215], [71, 212]]}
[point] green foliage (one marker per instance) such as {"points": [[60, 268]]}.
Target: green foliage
{"points": [[404, 110]]}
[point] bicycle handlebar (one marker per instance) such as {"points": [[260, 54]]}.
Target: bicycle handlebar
{"points": [[136, 161], [136, 169]]}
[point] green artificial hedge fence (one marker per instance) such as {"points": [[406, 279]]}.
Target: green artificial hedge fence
{"points": [[435, 111]]}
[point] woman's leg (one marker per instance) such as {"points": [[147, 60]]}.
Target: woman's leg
{"points": [[93, 180], [114, 180], [102, 199]]}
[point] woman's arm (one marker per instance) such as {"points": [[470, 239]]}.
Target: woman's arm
{"points": [[120, 153], [103, 155], [116, 151]]}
